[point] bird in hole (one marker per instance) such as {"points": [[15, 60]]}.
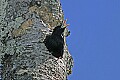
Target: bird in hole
{"points": [[55, 41]]}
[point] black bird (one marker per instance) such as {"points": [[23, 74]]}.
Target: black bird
{"points": [[55, 41]]}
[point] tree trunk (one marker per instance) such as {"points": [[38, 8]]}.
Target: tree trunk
{"points": [[24, 24]]}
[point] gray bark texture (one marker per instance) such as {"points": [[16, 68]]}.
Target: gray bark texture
{"points": [[24, 24]]}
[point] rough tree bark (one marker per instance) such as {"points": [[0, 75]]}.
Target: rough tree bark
{"points": [[24, 25]]}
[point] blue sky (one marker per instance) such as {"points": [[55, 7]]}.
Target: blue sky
{"points": [[94, 42]]}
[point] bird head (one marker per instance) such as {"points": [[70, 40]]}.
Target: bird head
{"points": [[60, 28]]}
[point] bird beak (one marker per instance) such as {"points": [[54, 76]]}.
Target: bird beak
{"points": [[64, 24]]}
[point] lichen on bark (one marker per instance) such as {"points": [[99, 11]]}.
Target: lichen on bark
{"points": [[24, 25]]}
